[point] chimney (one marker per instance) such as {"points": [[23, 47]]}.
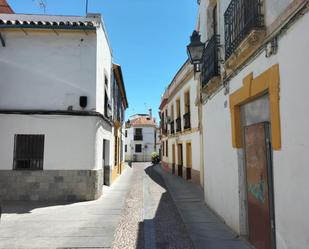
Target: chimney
{"points": [[150, 113]]}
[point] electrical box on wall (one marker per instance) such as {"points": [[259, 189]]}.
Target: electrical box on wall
{"points": [[83, 101]]}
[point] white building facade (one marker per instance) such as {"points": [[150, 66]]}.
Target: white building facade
{"points": [[55, 111], [254, 86], [180, 128], [140, 141]]}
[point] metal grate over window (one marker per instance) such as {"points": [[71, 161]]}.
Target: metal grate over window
{"points": [[241, 17], [138, 148], [28, 152]]}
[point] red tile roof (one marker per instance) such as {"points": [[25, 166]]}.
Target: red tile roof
{"points": [[5, 7], [143, 121]]}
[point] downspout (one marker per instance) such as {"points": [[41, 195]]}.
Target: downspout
{"points": [[200, 126]]}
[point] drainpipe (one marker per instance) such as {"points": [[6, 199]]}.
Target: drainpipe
{"points": [[200, 118]]}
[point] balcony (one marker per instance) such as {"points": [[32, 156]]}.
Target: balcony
{"points": [[240, 19], [138, 137], [172, 124], [210, 64], [178, 124], [164, 129], [186, 121]]}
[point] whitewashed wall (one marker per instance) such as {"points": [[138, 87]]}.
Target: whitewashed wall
{"points": [[103, 68], [43, 70], [291, 173], [71, 143], [50, 71]]}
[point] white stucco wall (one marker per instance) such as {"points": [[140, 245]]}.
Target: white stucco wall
{"points": [[43, 70], [289, 164], [71, 143], [103, 68], [50, 70]]}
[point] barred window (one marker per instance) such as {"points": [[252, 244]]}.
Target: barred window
{"points": [[28, 152], [138, 148]]}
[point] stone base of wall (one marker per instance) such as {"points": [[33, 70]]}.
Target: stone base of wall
{"points": [[138, 158], [51, 185], [195, 174], [165, 166], [191, 175]]}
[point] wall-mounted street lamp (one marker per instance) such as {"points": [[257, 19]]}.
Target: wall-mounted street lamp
{"points": [[195, 51]]}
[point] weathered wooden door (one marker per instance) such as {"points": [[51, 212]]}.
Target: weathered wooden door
{"points": [[173, 158], [180, 160], [189, 161], [259, 186]]}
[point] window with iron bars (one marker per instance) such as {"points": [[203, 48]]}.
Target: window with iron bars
{"points": [[240, 18], [210, 65], [28, 152]]}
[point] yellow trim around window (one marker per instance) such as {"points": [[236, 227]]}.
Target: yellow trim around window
{"points": [[267, 82]]}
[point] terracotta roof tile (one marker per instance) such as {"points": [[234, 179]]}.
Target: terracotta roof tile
{"points": [[5, 7], [143, 121]]}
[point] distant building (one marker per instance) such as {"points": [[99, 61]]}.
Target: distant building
{"points": [[57, 118], [140, 141]]}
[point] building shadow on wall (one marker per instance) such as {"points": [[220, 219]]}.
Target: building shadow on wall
{"points": [[166, 229]]}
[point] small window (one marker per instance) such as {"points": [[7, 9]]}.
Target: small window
{"points": [[138, 148], [166, 148], [125, 148], [138, 131], [126, 133], [28, 152]]}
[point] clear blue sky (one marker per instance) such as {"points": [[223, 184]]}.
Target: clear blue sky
{"points": [[148, 38]]}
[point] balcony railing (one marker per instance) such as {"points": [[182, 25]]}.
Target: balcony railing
{"points": [[186, 121], [138, 137], [210, 65], [178, 124], [240, 18], [172, 124]]}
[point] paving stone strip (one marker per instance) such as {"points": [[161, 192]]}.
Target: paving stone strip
{"points": [[129, 233]]}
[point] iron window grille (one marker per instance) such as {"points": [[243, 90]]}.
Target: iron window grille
{"points": [[178, 124], [240, 18], [138, 136], [172, 124], [210, 60], [28, 152], [186, 121], [138, 148]]}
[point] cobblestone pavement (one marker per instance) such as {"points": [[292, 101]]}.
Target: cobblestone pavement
{"points": [[55, 225], [150, 218]]}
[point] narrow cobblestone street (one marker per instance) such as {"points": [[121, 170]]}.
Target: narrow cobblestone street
{"points": [[150, 218], [136, 212]]}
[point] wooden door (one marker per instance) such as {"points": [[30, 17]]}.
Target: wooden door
{"points": [[189, 161], [173, 158], [180, 160], [259, 186]]}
